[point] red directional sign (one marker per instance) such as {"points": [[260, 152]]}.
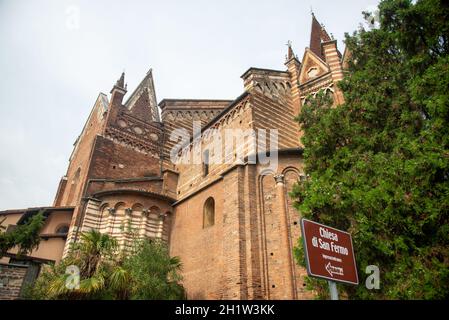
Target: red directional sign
{"points": [[329, 253]]}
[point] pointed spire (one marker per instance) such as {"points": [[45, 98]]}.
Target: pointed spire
{"points": [[318, 34], [290, 53], [121, 82], [315, 37], [324, 35]]}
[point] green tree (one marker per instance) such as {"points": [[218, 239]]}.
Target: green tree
{"points": [[378, 165], [95, 258], [144, 271], [24, 236], [154, 274]]}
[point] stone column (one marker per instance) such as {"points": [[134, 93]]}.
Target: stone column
{"points": [[127, 223], [143, 223], [294, 67], [160, 228], [285, 235], [111, 220]]}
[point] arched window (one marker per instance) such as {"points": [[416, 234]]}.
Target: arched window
{"points": [[137, 208], [155, 211], [104, 212], [209, 213], [205, 163], [329, 94], [120, 209], [62, 229]]}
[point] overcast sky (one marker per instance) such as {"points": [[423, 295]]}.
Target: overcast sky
{"points": [[56, 56]]}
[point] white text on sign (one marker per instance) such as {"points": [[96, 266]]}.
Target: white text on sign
{"points": [[329, 246]]}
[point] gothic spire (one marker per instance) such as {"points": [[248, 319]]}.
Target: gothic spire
{"points": [[121, 82], [290, 53], [318, 34]]}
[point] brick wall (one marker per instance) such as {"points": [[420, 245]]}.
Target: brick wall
{"points": [[115, 161], [180, 114], [11, 280], [70, 192], [202, 250], [242, 256]]}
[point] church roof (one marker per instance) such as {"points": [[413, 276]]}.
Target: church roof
{"points": [[35, 209], [194, 103]]}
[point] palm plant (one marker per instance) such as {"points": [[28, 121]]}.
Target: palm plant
{"points": [[145, 271], [94, 258], [94, 249], [155, 274]]}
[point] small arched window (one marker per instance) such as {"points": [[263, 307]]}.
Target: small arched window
{"points": [[329, 94], [104, 210], [209, 213], [155, 211], [120, 209], [137, 208]]}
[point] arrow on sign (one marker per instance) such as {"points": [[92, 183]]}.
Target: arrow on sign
{"points": [[333, 270]]}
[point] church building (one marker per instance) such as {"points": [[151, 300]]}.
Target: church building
{"points": [[230, 221]]}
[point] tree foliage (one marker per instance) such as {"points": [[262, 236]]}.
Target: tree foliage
{"points": [[154, 274], [378, 165], [144, 271], [24, 236]]}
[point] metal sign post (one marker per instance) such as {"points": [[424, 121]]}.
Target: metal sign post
{"points": [[329, 255], [333, 290]]}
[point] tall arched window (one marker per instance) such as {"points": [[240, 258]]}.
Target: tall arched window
{"points": [[209, 213], [117, 214], [104, 213], [205, 163]]}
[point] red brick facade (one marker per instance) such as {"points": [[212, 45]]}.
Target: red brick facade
{"points": [[121, 172]]}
